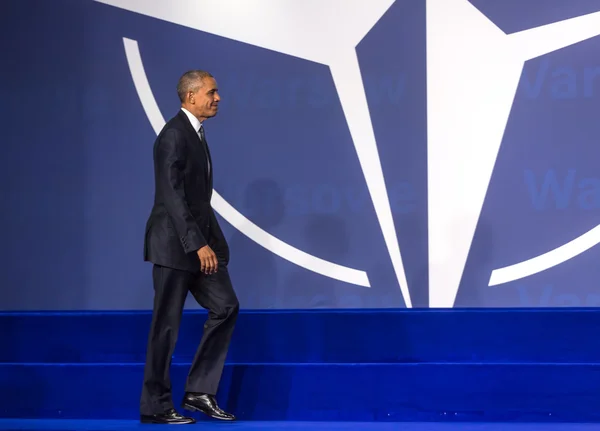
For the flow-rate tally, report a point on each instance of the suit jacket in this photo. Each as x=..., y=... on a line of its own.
x=182, y=219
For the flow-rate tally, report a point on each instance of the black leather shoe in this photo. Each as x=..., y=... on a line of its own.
x=205, y=404
x=169, y=417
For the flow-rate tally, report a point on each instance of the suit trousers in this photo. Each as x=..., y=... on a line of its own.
x=213, y=292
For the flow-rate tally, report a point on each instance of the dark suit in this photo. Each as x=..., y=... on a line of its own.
x=181, y=222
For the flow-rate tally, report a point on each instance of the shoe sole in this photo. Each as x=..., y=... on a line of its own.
x=197, y=409
x=155, y=422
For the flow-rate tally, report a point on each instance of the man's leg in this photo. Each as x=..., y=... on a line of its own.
x=170, y=291
x=215, y=293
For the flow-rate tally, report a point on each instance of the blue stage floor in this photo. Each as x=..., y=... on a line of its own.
x=108, y=425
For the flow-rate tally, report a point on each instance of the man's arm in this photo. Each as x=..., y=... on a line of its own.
x=170, y=164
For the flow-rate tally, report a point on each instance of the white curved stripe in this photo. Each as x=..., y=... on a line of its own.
x=228, y=212
x=284, y=250
x=546, y=260
x=142, y=86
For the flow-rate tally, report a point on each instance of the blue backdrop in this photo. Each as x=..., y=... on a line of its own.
x=77, y=182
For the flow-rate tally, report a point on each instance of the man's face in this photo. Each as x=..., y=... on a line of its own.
x=206, y=99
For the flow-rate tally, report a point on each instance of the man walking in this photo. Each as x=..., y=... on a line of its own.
x=188, y=249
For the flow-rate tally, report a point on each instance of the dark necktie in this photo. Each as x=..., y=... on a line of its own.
x=205, y=147
x=201, y=131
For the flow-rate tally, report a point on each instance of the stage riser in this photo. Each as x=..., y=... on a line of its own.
x=318, y=337
x=364, y=392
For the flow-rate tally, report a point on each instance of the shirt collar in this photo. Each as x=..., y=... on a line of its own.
x=196, y=124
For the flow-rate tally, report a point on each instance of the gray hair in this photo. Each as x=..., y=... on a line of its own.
x=191, y=81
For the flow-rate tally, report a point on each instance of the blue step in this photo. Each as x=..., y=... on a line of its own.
x=323, y=336
x=319, y=365
x=320, y=392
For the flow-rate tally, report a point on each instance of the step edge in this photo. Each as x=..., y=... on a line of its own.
x=373, y=311
x=308, y=364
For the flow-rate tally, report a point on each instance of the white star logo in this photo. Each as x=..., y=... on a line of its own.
x=468, y=107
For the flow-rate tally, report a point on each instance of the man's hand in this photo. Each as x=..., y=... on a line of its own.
x=208, y=260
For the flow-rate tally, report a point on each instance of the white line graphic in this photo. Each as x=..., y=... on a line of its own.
x=229, y=213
